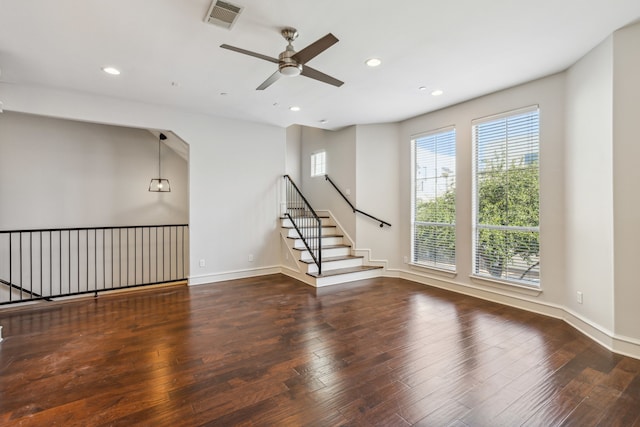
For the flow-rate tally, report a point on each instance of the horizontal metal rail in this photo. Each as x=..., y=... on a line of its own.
x=48, y=263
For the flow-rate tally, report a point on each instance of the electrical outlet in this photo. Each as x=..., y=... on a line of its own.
x=250, y=257
x=347, y=191
x=406, y=259
x=579, y=297
x=202, y=263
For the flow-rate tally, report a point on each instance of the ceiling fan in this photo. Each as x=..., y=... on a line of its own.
x=292, y=63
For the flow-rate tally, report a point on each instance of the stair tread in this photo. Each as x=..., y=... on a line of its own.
x=290, y=227
x=334, y=258
x=339, y=271
x=325, y=247
x=306, y=216
x=309, y=237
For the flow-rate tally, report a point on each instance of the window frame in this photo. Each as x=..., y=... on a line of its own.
x=444, y=267
x=476, y=226
x=314, y=163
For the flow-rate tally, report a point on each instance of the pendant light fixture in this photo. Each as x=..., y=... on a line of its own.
x=160, y=185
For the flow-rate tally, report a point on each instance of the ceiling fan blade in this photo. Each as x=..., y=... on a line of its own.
x=317, y=75
x=272, y=79
x=248, y=52
x=315, y=48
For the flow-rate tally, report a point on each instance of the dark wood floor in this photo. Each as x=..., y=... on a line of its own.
x=273, y=351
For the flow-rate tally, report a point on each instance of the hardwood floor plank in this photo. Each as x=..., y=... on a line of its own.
x=271, y=351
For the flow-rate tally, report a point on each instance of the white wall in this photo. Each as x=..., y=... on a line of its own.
x=377, y=176
x=293, y=155
x=234, y=172
x=63, y=173
x=589, y=186
x=626, y=177
x=340, y=147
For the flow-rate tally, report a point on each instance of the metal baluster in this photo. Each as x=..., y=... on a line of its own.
x=86, y=239
x=104, y=264
x=50, y=262
x=20, y=266
x=142, y=256
x=163, y=233
x=78, y=257
x=10, y=266
x=30, y=265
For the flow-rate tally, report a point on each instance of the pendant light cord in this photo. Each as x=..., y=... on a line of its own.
x=161, y=137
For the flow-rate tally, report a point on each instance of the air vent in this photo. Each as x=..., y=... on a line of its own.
x=223, y=14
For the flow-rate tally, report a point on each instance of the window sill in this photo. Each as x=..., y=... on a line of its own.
x=435, y=270
x=506, y=286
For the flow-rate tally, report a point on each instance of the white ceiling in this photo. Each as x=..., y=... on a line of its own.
x=169, y=56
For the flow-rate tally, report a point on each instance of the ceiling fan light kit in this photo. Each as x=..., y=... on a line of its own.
x=292, y=63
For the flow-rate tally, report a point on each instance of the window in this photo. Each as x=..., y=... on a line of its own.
x=506, y=189
x=434, y=199
x=318, y=163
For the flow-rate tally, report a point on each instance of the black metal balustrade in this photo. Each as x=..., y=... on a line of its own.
x=304, y=220
x=50, y=263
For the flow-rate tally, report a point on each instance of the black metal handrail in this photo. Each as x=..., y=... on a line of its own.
x=306, y=222
x=353, y=208
x=46, y=263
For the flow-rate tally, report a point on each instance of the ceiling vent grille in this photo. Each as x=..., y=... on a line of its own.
x=223, y=14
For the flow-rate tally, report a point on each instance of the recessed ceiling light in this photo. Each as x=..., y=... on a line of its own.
x=111, y=70
x=373, y=62
x=294, y=108
x=423, y=88
x=437, y=92
x=323, y=121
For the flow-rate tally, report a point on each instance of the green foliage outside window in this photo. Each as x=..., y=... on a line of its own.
x=507, y=196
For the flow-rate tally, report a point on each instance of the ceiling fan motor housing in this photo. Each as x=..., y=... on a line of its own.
x=287, y=65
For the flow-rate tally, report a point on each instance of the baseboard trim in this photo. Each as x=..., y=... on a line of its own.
x=232, y=275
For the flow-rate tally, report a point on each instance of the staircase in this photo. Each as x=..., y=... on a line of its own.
x=339, y=264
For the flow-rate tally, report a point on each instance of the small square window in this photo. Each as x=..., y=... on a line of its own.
x=318, y=163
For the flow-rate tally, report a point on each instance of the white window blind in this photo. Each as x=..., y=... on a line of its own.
x=318, y=163
x=434, y=199
x=506, y=187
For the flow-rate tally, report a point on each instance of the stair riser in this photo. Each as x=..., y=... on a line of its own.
x=292, y=232
x=329, y=241
x=350, y=277
x=305, y=256
x=286, y=222
x=328, y=266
